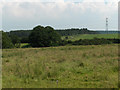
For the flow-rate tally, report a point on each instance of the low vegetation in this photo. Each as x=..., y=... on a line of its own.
x=87, y=62
x=61, y=67
x=90, y=36
x=47, y=36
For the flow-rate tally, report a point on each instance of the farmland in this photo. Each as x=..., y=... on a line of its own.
x=91, y=36
x=92, y=66
x=60, y=44
x=82, y=36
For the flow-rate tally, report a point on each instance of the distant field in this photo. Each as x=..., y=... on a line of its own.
x=23, y=44
x=90, y=36
x=61, y=67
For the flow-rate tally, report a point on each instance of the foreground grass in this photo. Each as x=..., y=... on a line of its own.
x=61, y=67
x=91, y=36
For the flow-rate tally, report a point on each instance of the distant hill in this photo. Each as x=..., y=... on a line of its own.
x=109, y=32
x=74, y=31
x=63, y=32
x=24, y=34
x=20, y=33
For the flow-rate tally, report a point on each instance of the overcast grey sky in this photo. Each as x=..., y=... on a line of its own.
x=59, y=14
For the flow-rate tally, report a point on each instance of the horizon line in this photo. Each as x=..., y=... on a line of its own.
x=63, y=29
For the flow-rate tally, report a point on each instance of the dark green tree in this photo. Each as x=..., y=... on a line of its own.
x=44, y=37
x=6, y=41
x=15, y=40
x=0, y=39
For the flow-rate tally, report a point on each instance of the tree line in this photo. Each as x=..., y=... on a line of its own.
x=45, y=37
x=24, y=34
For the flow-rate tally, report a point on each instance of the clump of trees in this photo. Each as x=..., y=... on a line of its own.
x=44, y=37
x=15, y=40
x=75, y=31
x=6, y=41
x=0, y=39
x=24, y=34
x=95, y=41
x=9, y=41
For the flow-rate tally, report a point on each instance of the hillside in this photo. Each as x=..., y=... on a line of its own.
x=108, y=32
x=66, y=32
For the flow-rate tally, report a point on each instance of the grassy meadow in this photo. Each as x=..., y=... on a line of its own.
x=61, y=67
x=91, y=36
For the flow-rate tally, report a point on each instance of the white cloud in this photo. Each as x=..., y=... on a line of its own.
x=60, y=0
x=1, y=6
x=33, y=0
x=59, y=8
x=100, y=0
x=38, y=9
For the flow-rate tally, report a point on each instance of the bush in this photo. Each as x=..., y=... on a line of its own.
x=63, y=43
x=95, y=41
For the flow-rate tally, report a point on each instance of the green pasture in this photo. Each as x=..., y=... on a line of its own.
x=92, y=66
x=91, y=36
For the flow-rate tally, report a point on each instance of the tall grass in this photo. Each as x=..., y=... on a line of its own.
x=61, y=67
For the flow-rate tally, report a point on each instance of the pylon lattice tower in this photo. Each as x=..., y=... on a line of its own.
x=107, y=25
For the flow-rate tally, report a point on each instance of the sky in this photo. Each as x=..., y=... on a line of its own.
x=60, y=14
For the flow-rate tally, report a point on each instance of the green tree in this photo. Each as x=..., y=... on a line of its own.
x=15, y=40
x=0, y=39
x=44, y=37
x=6, y=41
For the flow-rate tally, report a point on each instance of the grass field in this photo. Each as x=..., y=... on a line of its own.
x=83, y=36
x=23, y=44
x=91, y=36
x=61, y=67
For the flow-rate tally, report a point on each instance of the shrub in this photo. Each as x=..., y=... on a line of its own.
x=95, y=41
